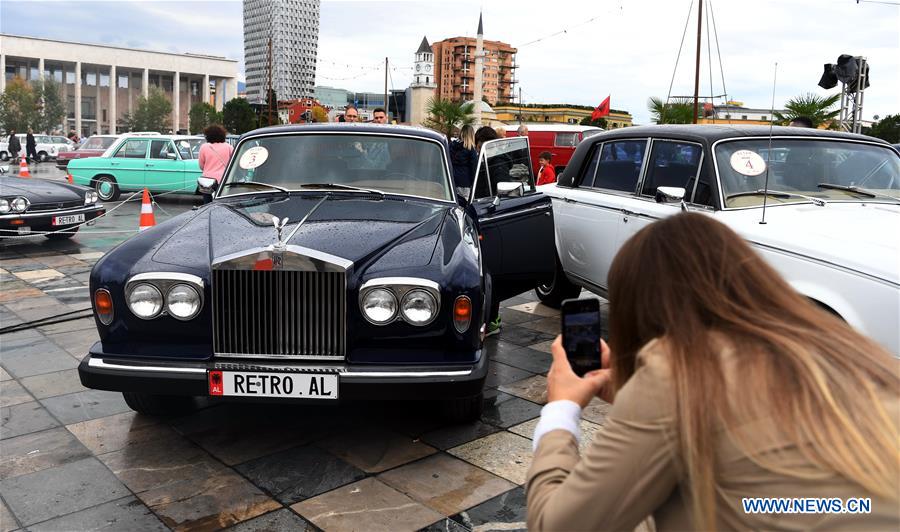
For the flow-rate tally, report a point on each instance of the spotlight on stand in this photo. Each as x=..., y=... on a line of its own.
x=847, y=70
x=829, y=79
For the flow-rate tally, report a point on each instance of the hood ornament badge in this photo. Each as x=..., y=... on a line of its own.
x=279, y=229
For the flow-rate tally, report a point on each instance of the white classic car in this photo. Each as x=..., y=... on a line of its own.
x=46, y=146
x=832, y=216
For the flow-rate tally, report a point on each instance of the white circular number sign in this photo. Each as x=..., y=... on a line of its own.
x=747, y=162
x=253, y=157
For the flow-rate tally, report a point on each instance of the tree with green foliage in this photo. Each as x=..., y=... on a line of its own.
x=676, y=111
x=201, y=116
x=153, y=113
x=52, y=108
x=888, y=128
x=600, y=122
x=819, y=109
x=19, y=106
x=238, y=117
x=447, y=116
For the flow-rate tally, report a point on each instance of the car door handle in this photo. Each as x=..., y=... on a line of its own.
x=113, y=164
x=149, y=164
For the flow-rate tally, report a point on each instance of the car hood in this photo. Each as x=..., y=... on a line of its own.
x=360, y=229
x=40, y=190
x=854, y=235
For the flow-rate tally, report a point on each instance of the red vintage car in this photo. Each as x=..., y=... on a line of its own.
x=94, y=146
x=559, y=139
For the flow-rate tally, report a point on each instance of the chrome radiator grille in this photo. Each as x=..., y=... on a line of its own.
x=279, y=314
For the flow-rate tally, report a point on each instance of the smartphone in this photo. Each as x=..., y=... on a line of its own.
x=581, y=334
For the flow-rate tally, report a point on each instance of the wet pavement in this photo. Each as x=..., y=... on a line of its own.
x=77, y=459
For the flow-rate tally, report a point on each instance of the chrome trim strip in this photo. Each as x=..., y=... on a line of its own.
x=515, y=213
x=341, y=371
x=166, y=276
x=99, y=363
x=279, y=357
x=349, y=131
x=84, y=209
x=409, y=281
x=297, y=250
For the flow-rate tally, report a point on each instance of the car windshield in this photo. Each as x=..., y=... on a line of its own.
x=98, y=143
x=393, y=165
x=800, y=169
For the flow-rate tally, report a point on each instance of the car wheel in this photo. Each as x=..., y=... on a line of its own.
x=554, y=292
x=464, y=409
x=62, y=236
x=158, y=405
x=43, y=157
x=106, y=187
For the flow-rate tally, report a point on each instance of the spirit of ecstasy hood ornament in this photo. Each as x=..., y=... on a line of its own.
x=279, y=228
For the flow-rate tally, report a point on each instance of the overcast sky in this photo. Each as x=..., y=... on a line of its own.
x=627, y=51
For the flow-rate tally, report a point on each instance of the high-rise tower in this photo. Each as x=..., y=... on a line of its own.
x=293, y=27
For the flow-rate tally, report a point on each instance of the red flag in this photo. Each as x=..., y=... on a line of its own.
x=601, y=110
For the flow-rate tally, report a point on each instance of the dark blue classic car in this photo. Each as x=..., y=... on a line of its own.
x=52, y=208
x=335, y=262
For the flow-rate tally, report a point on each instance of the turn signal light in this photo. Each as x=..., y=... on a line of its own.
x=462, y=313
x=103, y=306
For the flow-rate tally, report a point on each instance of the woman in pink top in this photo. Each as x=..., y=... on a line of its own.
x=214, y=155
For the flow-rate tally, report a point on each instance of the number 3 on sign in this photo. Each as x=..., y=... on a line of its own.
x=253, y=158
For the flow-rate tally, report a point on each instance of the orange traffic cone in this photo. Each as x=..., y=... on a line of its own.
x=23, y=168
x=147, y=219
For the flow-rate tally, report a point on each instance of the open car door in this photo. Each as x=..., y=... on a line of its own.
x=515, y=220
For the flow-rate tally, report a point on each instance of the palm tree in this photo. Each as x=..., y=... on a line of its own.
x=677, y=111
x=446, y=116
x=816, y=108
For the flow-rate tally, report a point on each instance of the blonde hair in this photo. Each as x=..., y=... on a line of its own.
x=467, y=137
x=501, y=131
x=822, y=384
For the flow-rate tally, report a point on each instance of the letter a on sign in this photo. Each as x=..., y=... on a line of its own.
x=313, y=387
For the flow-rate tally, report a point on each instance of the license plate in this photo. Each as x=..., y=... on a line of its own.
x=68, y=220
x=24, y=230
x=286, y=385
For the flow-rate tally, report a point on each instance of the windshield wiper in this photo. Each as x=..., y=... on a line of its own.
x=342, y=187
x=776, y=194
x=255, y=184
x=857, y=190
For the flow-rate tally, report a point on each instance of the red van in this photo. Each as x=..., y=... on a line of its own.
x=559, y=139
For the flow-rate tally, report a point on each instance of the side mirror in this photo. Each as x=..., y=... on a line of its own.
x=510, y=189
x=669, y=194
x=207, y=185
x=171, y=155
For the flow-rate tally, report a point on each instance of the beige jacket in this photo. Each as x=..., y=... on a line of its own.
x=631, y=470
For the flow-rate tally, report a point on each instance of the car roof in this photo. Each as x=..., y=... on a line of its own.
x=159, y=137
x=344, y=127
x=714, y=132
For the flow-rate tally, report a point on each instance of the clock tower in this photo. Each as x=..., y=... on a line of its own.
x=422, y=88
x=424, y=67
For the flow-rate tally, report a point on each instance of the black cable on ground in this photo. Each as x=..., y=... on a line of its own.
x=48, y=320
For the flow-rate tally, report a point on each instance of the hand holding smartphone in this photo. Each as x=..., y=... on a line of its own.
x=581, y=334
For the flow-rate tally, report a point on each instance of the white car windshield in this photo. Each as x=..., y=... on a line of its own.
x=392, y=165
x=800, y=169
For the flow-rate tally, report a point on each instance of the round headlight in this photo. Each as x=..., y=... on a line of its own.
x=145, y=301
x=379, y=306
x=19, y=204
x=4, y=206
x=90, y=197
x=183, y=302
x=418, y=307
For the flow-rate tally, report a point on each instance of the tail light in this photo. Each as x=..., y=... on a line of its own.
x=462, y=313
x=103, y=306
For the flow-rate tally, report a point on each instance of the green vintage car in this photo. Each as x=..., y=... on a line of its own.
x=161, y=163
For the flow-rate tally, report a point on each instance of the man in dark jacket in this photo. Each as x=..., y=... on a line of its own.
x=30, y=148
x=14, y=146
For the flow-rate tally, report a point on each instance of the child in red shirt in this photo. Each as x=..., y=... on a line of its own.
x=546, y=174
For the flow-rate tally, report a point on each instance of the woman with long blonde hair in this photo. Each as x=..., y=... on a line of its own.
x=728, y=387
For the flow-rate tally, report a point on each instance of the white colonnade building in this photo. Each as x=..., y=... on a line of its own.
x=107, y=81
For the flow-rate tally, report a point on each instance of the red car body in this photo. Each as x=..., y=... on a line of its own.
x=559, y=139
x=94, y=146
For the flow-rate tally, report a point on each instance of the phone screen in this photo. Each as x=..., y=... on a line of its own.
x=581, y=334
